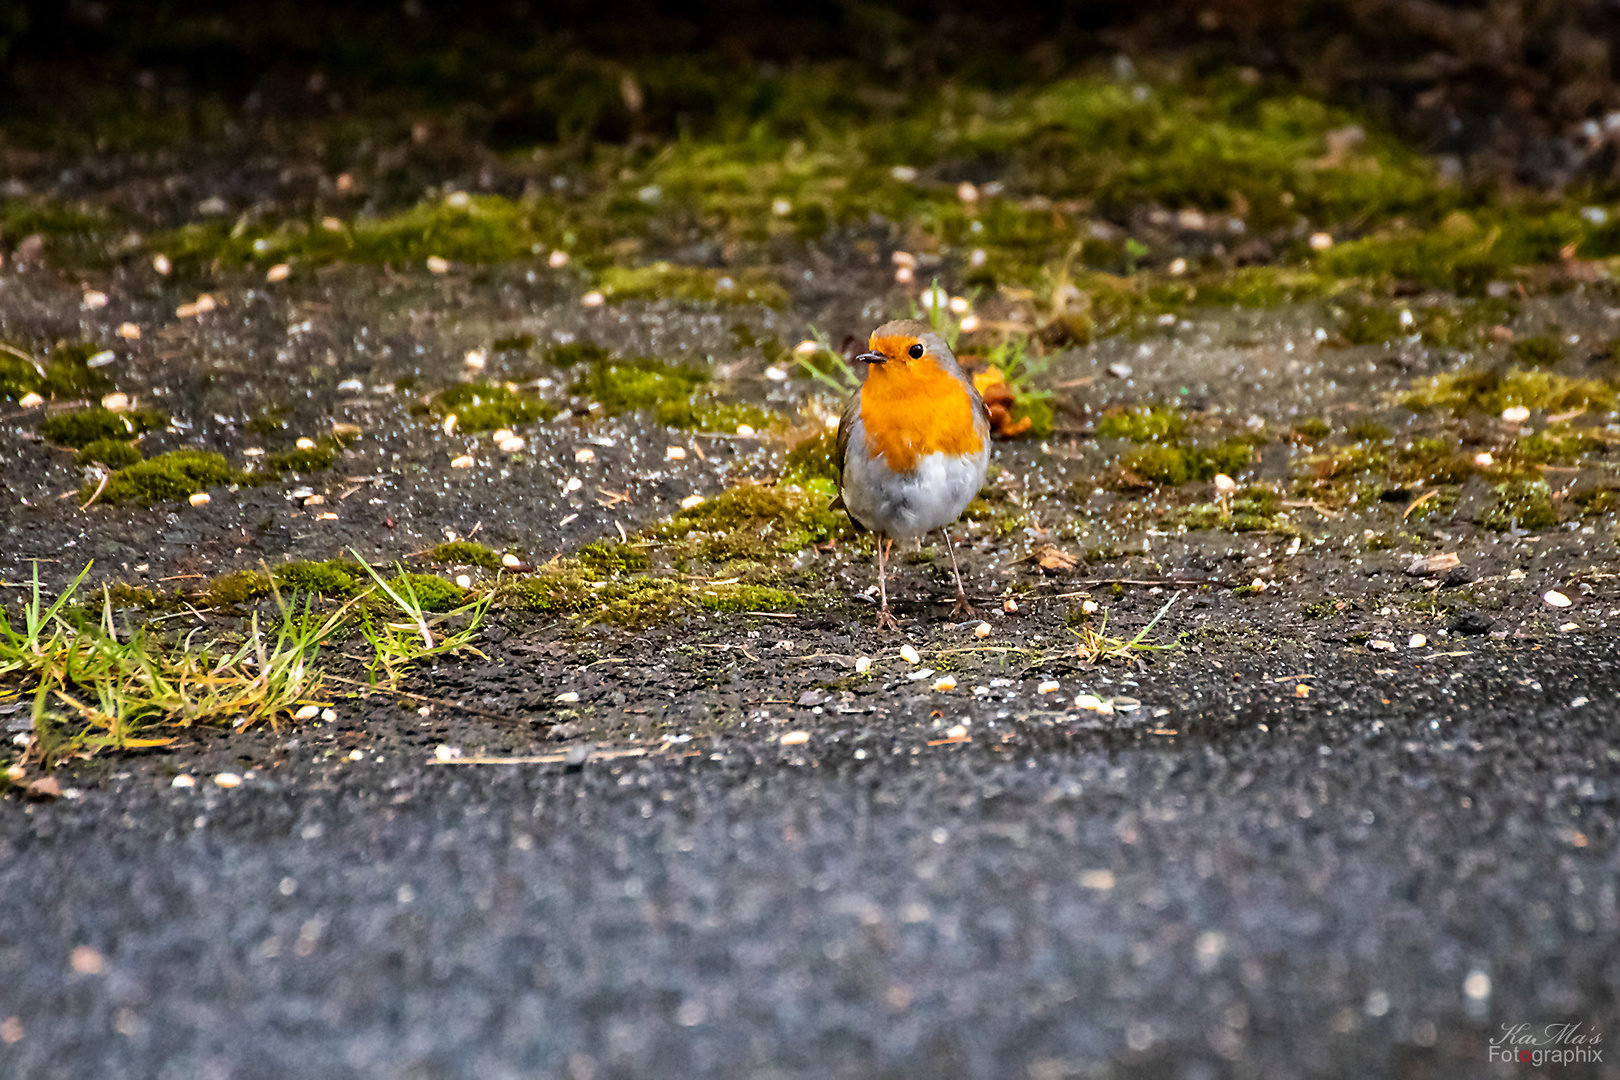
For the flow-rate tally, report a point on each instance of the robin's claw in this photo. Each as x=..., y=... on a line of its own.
x=963, y=608
x=887, y=621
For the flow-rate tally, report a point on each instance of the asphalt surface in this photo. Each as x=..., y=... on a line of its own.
x=1352, y=889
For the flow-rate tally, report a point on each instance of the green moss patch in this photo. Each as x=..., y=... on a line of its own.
x=1525, y=505
x=606, y=558
x=1489, y=392
x=667, y=281
x=334, y=578
x=737, y=598
x=113, y=453
x=754, y=522
x=1171, y=465
x=305, y=459
x=167, y=478
x=63, y=372
x=466, y=553
x=237, y=588
x=1538, y=350
x=640, y=383
x=1143, y=424
x=1252, y=509
x=81, y=427
x=490, y=407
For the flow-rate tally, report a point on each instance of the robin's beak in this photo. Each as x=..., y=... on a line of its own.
x=871, y=358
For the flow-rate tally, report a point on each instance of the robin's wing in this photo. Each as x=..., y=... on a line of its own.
x=981, y=411
x=846, y=428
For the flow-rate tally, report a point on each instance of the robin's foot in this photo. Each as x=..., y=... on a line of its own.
x=962, y=607
x=887, y=621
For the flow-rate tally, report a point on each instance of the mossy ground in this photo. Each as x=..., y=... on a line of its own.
x=482, y=407
x=60, y=371
x=170, y=477
x=81, y=427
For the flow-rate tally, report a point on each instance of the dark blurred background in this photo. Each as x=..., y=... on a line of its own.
x=1506, y=85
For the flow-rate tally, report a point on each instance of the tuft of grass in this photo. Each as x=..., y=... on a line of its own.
x=426, y=604
x=301, y=460
x=1095, y=645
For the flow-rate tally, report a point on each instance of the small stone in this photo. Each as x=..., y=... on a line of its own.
x=1556, y=599
x=909, y=654
x=115, y=402
x=1380, y=645
x=794, y=738
x=1567, y=627
x=228, y=780
x=86, y=961
x=1515, y=414
x=308, y=712
x=162, y=265
x=511, y=561
x=278, y=272
x=464, y=580
x=1120, y=371
x=1484, y=460
x=446, y=753
x=863, y=664
x=438, y=265
x=970, y=324
x=557, y=259
x=1089, y=607
x=1050, y=686
x=128, y=331
x=94, y=299
x=476, y=359
x=593, y=299
x=955, y=731
x=465, y=461
x=1010, y=606
x=1416, y=641
x=183, y=781
x=200, y=498
x=744, y=431
x=675, y=453
x=691, y=501
x=967, y=192
x=567, y=697
x=574, y=484
x=1321, y=241
x=584, y=454
x=31, y=400
x=305, y=443
x=982, y=630
x=328, y=715
x=513, y=445
x=903, y=275
x=1471, y=622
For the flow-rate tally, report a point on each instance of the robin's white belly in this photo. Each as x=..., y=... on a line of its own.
x=905, y=506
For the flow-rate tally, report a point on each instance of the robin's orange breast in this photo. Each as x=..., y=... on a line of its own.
x=909, y=411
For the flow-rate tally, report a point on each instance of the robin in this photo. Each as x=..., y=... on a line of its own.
x=913, y=445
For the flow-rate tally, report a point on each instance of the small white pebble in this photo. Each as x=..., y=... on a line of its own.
x=795, y=738
x=558, y=259
x=1380, y=645
x=1089, y=607
x=675, y=453
x=1555, y=598
x=94, y=299
x=1567, y=627
x=903, y=274
x=278, y=272
x=744, y=431
x=315, y=500
x=129, y=331
x=691, y=501
x=1050, y=686
x=476, y=359
x=357, y=755
x=1177, y=267
x=909, y=654
x=567, y=697
x=1515, y=414
x=503, y=434
x=438, y=265
x=115, y=402
x=982, y=630
x=308, y=712
x=1321, y=241
x=863, y=664
x=593, y=299
x=228, y=780
x=200, y=498
x=183, y=781
x=329, y=715
x=511, y=561
x=955, y=731
x=464, y=580
x=584, y=454
x=945, y=682
x=161, y=264
x=776, y=374
x=1090, y=702
x=1484, y=460
x=1010, y=606
x=514, y=445
x=1416, y=641
x=574, y=484
x=967, y=192
x=465, y=461
x=446, y=753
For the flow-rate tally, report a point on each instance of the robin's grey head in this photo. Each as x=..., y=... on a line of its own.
x=908, y=341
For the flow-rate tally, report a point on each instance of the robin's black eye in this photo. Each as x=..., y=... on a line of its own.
x=916, y=351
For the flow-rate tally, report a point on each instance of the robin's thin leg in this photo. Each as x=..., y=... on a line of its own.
x=962, y=606
x=886, y=621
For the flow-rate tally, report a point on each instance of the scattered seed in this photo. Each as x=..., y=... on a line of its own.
x=781, y=207
x=795, y=738
x=1010, y=606
x=1484, y=459
x=1567, y=627
x=744, y=431
x=982, y=630
x=162, y=265
x=691, y=501
x=1321, y=241
x=568, y=697
x=1050, y=686
x=278, y=272
x=1177, y=267
x=675, y=453
x=593, y=299
x=1089, y=702
x=909, y=654
x=183, y=781
x=449, y=425
x=350, y=386
x=584, y=454
x=1416, y=641
x=446, y=753
x=328, y=715
x=465, y=461
x=307, y=712
x=955, y=731
x=94, y=299
x=201, y=498
x=574, y=484
x=1302, y=690
x=346, y=431
x=1100, y=880
x=558, y=259
x=969, y=324
x=31, y=401
x=805, y=348
x=1380, y=645
x=919, y=675
x=511, y=561
x=86, y=961
x=514, y=445
x=945, y=682
x=1432, y=565
x=305, y=443
x=464, y=580
x=903, y=274
x=228, y=780
x=476, y=359
x=438, y=265
x=967, y=192
x=115, y=402
x=776, y=374
x=327, y=516
x=1515, y=414
x=1556, y=599
x=863, y=664
x=1089, y=607
x=129, y=331
x=959, y=305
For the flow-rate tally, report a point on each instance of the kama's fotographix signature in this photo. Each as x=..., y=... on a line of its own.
x=1547, y=1044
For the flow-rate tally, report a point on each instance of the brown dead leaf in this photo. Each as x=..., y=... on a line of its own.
x=46, y=787
x=1055, y=560
x=999, y=401
x=1432, y=565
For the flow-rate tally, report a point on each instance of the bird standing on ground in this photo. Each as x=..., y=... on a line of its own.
x=913, y=445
